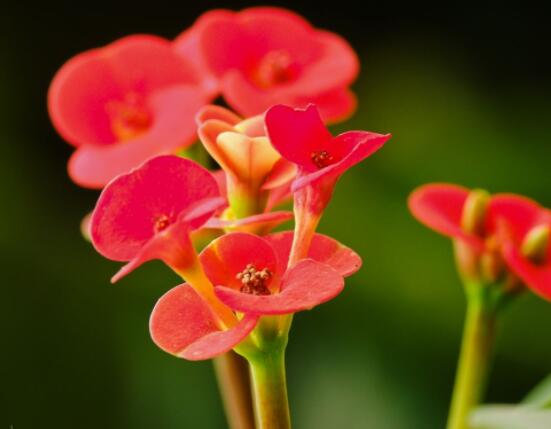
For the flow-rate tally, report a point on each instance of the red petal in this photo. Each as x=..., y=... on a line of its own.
x=536, y=277
x=334, y=106
x=440, y=207
x=174, y=110
x=129, y=207
x=217, y=343
x=296, y=134
x=182, y=324
x=352, y=148
x=228, y=256
x=322, y=249
x=282, y=173
x=520, y=213
x=307, y=284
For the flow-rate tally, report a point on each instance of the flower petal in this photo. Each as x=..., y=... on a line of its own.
x=174, y=109
x=259, y=224
x=297, y=133
x=183, y=324
x=228, y=256
x=129, y=208
x=323, y=249
x=440, y=207
x=219, y=342
x=307, y=284
x=219, y=113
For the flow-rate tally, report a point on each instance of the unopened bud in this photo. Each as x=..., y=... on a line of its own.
x=474, y=212
x=536, y=243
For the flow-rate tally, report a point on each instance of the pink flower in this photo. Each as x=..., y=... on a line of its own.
x=186, y=325
x=250, y=273
x=150, y=212
x=263, y=56
x=301, y=137
x=124, y=103
x=500, y=229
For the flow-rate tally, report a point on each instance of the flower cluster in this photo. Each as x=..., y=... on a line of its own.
x=499, y=239
x=137, y=97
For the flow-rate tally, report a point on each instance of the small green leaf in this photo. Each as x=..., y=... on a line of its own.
x=510, y=417
x=540, y=396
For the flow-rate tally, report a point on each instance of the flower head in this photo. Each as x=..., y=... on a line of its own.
x=250, y=273
x=124, y=103
x=149, y=213
x=255, y=172
x=496, y=235
x=263, y=56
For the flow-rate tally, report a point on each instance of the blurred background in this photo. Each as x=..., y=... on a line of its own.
x=466, y=93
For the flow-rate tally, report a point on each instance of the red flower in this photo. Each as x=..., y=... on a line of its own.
x=122, y=104
x=512, y=228
x=301, y=137
x=257, y=178
x=250, y=273
x=186, y=325
x=264, y=56
x=148, y=213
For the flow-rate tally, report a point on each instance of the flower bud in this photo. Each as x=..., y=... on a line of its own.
x=474, y=212
x=536, y=243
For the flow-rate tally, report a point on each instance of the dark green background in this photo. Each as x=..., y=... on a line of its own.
x=466, y=93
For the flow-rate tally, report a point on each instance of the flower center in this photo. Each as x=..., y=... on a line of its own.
x=322, y=158
x=129, y=117
x=275, y=68
x=254, y=282
x=161, y=223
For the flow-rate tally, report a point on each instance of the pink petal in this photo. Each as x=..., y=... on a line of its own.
x=216, y=112
x=282, y=173
x=174, y=110
x=139, y=64
x=217, y=343
x=334, y=106
x=296, y=134
x=352, y=148
x=228, y=256
x=520, y=213
x=129, y=208
x=440, y=207
x=182, y=324
x=323, y=249
x=260, y=224
x=307, y=284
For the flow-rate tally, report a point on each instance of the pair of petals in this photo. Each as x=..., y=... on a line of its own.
x=149, y=212
x=509, y=218
x=182, y=324
x=321, y=64
x=142, y=68
x=300, y=134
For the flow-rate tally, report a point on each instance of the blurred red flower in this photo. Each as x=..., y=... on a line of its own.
x=263, y=56
x=511, y=227
x=124, y=103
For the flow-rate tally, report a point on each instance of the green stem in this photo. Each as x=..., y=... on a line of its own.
x=474, y=361
x=270, y=390
x=232, y=373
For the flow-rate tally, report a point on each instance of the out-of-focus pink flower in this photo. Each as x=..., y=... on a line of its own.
x=124, y=103
x=505, y=229
x=150, y=212
x=263, y=56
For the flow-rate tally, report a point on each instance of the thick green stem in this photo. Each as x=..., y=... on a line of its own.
x=232, y=373
x=270, y=390
x=474, y=361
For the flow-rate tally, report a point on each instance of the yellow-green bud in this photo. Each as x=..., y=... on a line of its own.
x=535, y=244
x=474, y=212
